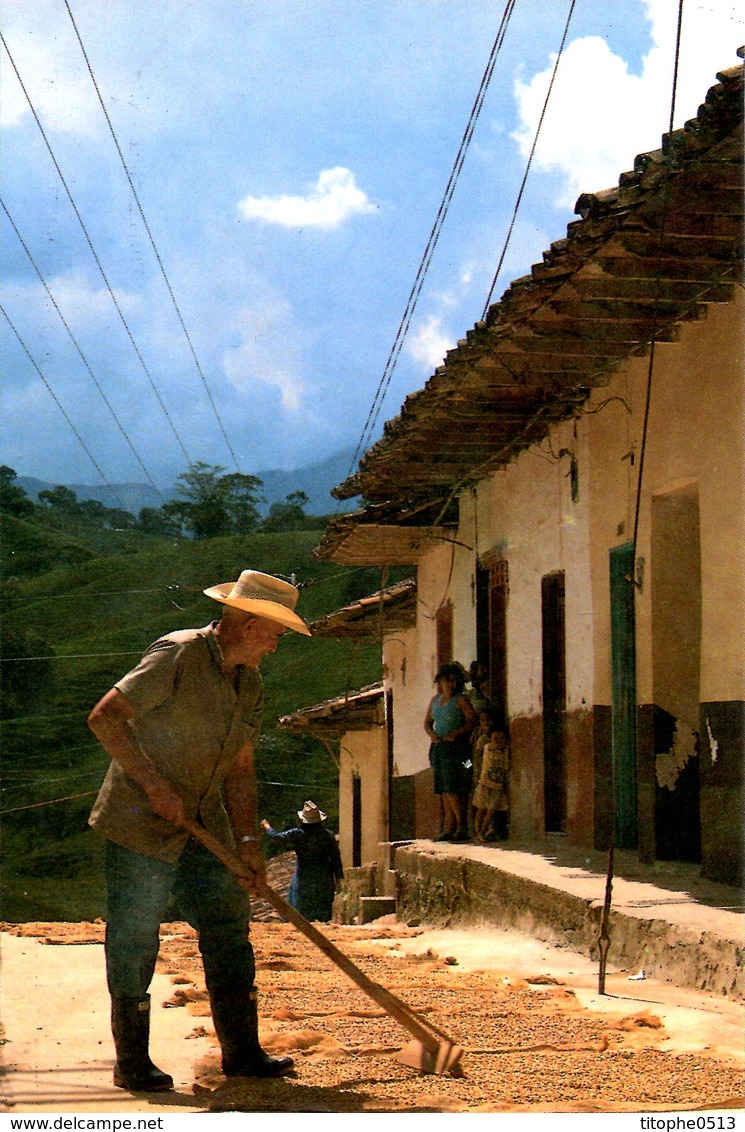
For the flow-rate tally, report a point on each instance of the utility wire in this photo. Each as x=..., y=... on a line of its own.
x=530, y=161
x=89, y=793
x=656, y=310
x=99, y=265
x=68, y=656
x=51, y=802
x=87, y=450
x=178, y=590
x=77, y=347
x=434, y=236
x=10, y=784
x=150, y=237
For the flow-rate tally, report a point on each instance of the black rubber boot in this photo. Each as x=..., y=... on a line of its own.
x=130, y=1025
x=236, y=1019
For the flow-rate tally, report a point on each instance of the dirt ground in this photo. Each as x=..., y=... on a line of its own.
x=536, y=1035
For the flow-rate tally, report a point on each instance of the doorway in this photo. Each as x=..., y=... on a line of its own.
x=356, y=821
x=554, y=702
x=623, y=679
x=676, y=649
x=491, y=633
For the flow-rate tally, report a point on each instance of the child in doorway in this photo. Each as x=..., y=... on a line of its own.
x=491, y=796
x=479, y=738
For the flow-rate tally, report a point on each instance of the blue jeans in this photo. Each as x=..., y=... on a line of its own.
x=207, y=896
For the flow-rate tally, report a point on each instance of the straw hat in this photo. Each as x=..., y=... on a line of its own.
x=310, y=814
x=264, y=596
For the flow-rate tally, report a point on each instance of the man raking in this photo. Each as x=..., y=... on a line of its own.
x=180, y=729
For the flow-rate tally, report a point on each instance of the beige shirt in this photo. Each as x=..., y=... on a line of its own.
x=192, y=722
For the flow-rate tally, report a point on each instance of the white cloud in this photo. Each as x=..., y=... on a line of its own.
x=430, y=343
x=84, y=305
x=334, y=198
x=600, y=116
x=61, y=94
x=88, y=310
x=266, y=353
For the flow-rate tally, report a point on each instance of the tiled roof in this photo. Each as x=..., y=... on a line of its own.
x=643, y=257
x=389, y=609
x=354, y=711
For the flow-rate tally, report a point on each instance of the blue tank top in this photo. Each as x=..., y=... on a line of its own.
x=446, y=717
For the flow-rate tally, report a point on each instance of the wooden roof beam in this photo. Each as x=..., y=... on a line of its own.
x=611, y=288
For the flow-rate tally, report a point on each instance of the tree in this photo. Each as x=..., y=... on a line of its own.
x=153, y=521
x=12, y=497
x=119, y=519
x=64, y=504
x=287, y=516
x=61, y=498
x=92, y=511
x=243, y=493
x=215, y=504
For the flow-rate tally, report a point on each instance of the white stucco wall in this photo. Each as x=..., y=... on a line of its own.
x=407, y=675
x=696, y=434
x=364, y=753
x=528, y=512
x=696, y=439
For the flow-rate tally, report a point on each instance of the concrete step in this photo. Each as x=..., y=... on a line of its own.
x=373, y=907
x=665, y=922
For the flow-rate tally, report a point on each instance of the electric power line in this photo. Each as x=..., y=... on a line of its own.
x=94, y=253
x=150, y=237
x=51, y=802
x=90, y=793
x=68, y=656
x=530, y=159
x=434, y=236
x=656, y=310
x=88, y=452
x=79, y=350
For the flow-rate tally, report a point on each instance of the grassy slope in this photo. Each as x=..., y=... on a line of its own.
x=98, y=615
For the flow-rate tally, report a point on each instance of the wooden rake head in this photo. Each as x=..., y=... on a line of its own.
x=439, y=1057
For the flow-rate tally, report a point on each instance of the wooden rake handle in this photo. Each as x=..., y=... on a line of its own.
x=384, y=998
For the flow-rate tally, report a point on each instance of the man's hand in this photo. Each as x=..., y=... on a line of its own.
x=165, y=802
x=251, y=857
x=110, y=723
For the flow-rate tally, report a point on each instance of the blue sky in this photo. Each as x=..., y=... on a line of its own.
x=290, y=157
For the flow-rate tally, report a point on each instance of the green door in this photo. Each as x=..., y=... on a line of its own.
x=623, y=674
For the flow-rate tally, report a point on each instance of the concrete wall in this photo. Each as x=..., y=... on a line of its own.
x=462, y=891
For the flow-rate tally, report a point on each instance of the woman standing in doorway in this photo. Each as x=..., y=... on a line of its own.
x=449, y=721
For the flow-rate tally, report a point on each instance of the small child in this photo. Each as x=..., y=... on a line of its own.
x=479, y=737
x=491, y=796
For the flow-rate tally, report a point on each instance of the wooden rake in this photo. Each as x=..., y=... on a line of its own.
x=431, y=1051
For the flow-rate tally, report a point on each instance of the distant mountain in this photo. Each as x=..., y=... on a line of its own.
x=132, y=496
x=316, y=480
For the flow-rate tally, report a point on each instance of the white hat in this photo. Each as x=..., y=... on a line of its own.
x=264, y=596
x=310, y=814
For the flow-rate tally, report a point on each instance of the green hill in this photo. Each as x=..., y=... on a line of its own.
x=28, y=548
x=76, y=617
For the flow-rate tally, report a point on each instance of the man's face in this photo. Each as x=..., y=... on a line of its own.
x=260, y=637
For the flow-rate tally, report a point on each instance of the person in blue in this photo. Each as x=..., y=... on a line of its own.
x=449, y=721
x=318, y=865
